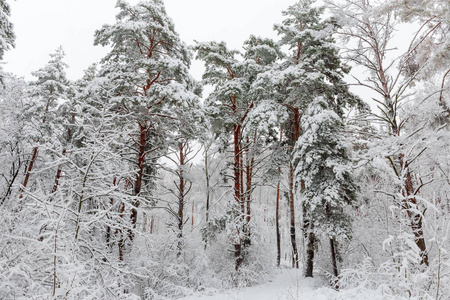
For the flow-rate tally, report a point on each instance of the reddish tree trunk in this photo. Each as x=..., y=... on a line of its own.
x=237, y=194
x=58, y=172
x=27, y=175
x=237, y=188
x=58, y=176
x=152, y=224
x=33, y=157
x=139, y=176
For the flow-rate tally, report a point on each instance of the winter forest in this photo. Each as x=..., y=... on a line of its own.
x=137, y=181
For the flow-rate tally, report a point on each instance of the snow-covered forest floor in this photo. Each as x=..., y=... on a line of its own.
x=290, y=284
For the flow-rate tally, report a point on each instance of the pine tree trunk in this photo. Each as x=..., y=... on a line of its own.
x=292, y=216
x=207, y=192
x=121, y=243
x=410, y=205
x=248, y=198
x=108, y=229
x=139, y=177
x=277, y=222
x=152, y=224
x=58, y=172
x=333, y=257
x=181, y=194
x=29, y=169
x=277, y=211
x=238, y=196
x=310, y=249
x=33, y=156
x=294, y=136
x=57, y=177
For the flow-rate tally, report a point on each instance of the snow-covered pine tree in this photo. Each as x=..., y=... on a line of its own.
x=182, y=151
x=230, y=107
x=323, y=165
x=312, y=68
x=50, y=87
x=7, y=35
x=147, y=68
x=259, y=128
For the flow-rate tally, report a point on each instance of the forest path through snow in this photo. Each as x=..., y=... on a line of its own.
x=290, y=284
x=287, y=284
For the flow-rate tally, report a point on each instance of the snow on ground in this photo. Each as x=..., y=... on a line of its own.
x=289, y=284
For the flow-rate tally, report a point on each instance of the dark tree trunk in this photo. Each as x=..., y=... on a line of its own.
x=292, y=216
x=207, y=191
x=277, y=210
x=410, y=205
x=108, y=229
x=333, y=258
x=308, y=231
x=277, y=222
x=248, y=198
x=181, y=194
x=139, y=177
x=121, y=243
x=293, y=137
x=310, y=249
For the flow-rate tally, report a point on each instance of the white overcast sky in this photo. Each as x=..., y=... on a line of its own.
x=42, y=25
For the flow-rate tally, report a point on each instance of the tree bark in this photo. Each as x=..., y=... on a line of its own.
x=121, y=243
x=29, y=169
x=181, y=193
x=237, y=195
x=310, y=249
x=139, y=176
x=33, y=156
x=248, y=196
x=277, y=222
x=277, y=210
x=108, y=229
x=58, y=172
x=292, y=216
x=333, y=258
x=207, y=191
x=58, y=176
x=295, y=134
x=411, y=207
